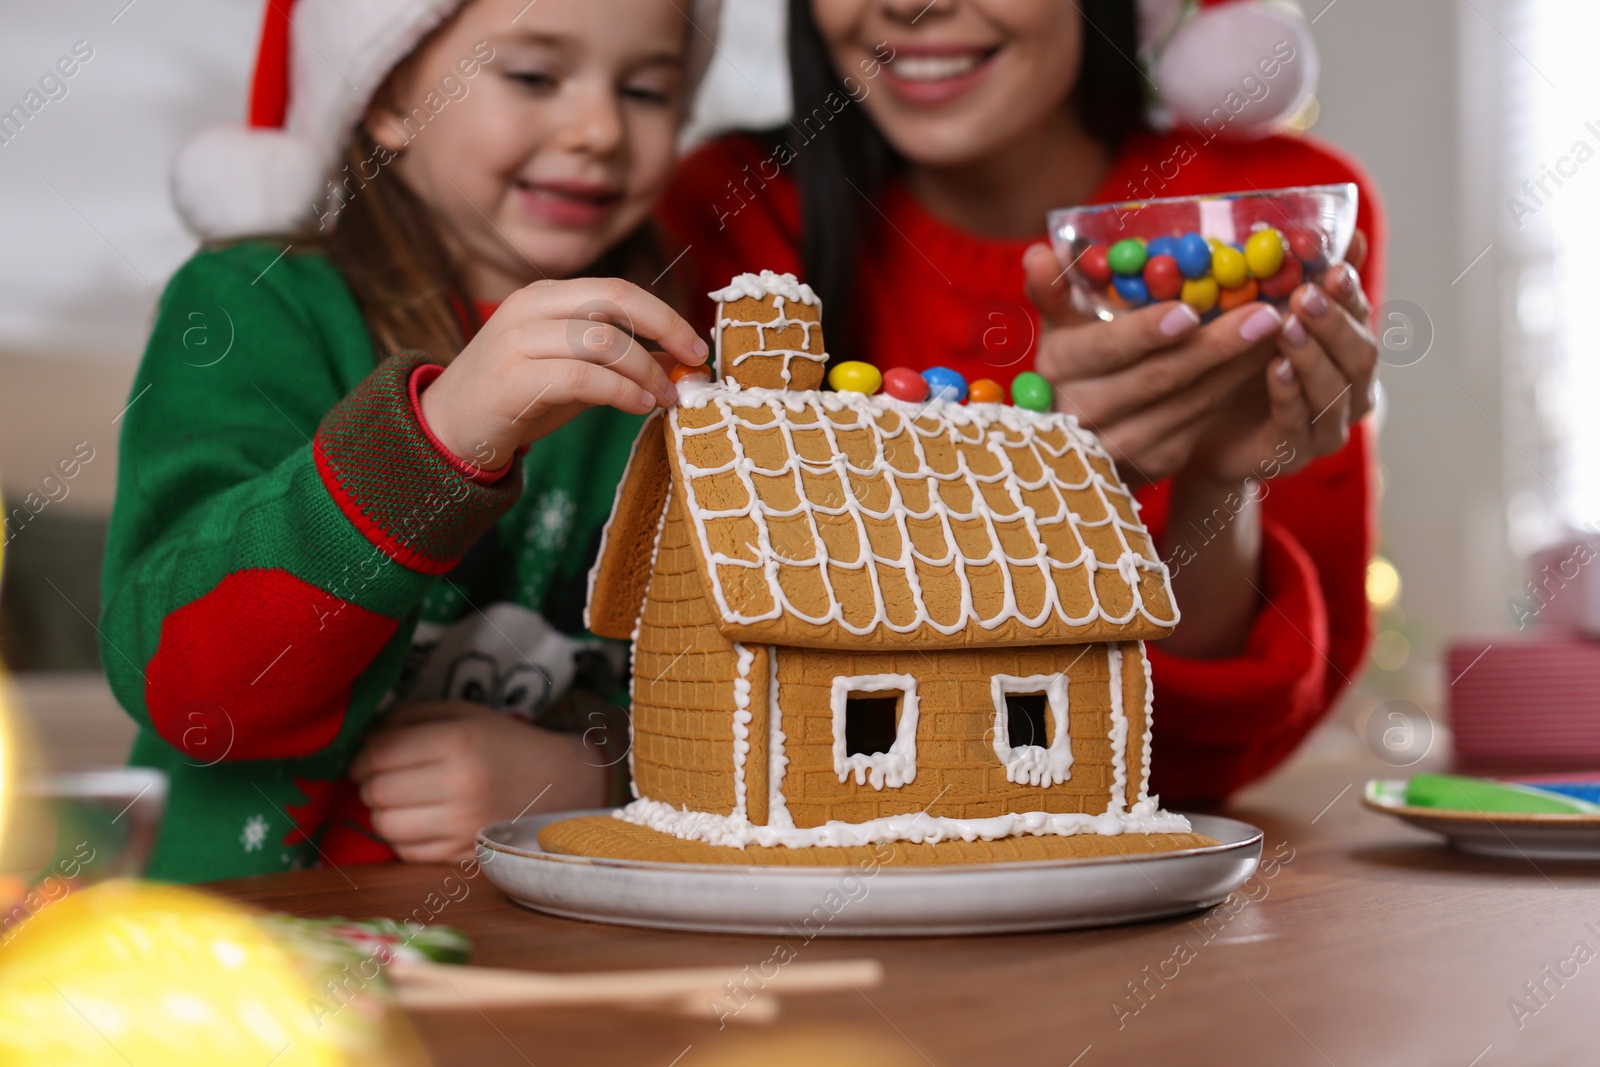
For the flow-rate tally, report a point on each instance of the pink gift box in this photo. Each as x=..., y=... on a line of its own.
x=1526, y=699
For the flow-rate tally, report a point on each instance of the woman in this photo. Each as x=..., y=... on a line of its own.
x=930, y=140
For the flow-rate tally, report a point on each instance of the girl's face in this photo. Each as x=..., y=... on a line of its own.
x=966, y=77
x=540, y=134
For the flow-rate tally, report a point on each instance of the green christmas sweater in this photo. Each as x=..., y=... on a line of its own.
x=291, y=554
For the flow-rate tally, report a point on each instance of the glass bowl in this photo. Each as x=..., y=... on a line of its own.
x=71, y=829
x=1214, y=252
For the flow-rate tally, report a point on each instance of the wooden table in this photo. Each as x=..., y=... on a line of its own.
x=1370, y=944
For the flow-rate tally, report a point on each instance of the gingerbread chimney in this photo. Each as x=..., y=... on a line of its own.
x=769, y=332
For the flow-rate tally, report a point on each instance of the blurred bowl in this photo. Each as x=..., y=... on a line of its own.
x=1213, y=252
x=71, y=829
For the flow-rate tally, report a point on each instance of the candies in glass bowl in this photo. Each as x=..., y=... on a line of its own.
x=1214, y=253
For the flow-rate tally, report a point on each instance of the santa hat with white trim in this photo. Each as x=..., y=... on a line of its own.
x=319, y=63
x=1204, y=55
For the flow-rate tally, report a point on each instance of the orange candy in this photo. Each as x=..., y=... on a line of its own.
x=985, y=391
x=1232, y=298
x=683, y=372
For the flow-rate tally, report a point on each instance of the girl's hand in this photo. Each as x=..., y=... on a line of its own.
x=551, y=350
x=435, y=773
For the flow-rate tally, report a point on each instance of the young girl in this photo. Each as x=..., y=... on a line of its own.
x=365, y=463
x=929, y=141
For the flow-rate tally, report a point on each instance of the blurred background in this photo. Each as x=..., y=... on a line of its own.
x=1468, y=113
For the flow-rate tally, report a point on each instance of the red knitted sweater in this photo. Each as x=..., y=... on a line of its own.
x=928, y=295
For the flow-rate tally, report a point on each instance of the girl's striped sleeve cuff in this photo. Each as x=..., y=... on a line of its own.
x=405, y=494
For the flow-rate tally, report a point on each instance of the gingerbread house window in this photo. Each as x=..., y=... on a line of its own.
x=875, y=729
x=1030, y=728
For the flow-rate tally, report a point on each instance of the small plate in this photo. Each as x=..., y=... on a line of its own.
x=1518, y=835
x=989, y=898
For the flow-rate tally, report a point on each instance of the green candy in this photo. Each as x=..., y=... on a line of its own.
x=1455, y=793
x=1032, y=391
x=1127, y=256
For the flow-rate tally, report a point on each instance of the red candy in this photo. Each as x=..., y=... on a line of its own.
x=684, y=371
x=1163, y=278
x=905, y=384
x=1281, y=284
x=1307, y=248
x=1093, y=266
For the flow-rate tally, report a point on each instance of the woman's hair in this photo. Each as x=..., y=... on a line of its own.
x=847, y=163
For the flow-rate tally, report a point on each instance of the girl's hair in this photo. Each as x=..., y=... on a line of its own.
x=849, y=160
x=385, y=242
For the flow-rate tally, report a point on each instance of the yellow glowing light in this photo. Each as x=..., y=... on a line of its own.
x=7, y=746
x=128, y=972
x=1383, y=583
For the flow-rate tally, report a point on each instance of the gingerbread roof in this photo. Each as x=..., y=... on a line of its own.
x=839, y=520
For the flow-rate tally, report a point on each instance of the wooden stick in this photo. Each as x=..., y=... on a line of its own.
x=442, y=987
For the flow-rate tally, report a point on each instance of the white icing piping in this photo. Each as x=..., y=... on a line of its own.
x=955, y=423
x=777, y=761
x=1149, y=720
x=918, y=827
x=781, y=323
x=633, y=638
x=1033, y=764
x=1119, y=734
x=896, y=767
x=760, y=286
x=741, y=725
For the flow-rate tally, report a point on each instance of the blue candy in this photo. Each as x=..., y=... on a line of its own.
x=1132, y=289
x=1163, y=246
x=1193, y=255
x=945, y=384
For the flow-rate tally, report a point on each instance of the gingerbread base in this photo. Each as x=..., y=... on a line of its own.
x=604, y=837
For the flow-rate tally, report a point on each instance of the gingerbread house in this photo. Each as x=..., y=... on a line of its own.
x=858, y=619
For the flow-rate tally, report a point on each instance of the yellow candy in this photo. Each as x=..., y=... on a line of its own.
x=854, y=377
x=1263, y=252
x=1228, y=267
x=1200, y=294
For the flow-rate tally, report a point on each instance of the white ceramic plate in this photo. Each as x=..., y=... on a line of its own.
x=1517, y=835
x=847, y=902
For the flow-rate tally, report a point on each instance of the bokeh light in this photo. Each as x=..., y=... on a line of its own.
x=1383, y=583
x=130, y=972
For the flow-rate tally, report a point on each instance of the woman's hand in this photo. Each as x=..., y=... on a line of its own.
x=1246, y=398
x=1148, y=382
x=1168, y=397
x=551, y=350
x=435, y=773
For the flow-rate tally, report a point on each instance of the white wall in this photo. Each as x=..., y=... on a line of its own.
x=1408, y=89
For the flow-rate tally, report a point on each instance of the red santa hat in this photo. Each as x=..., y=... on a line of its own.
x=1206, y=55
x=319, y=63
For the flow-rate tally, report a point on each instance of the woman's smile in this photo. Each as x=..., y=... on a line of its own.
x=927, y=74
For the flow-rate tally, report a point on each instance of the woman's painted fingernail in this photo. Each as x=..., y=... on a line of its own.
x=1285, y=370
x=1294, y=330
x=1315, y=303
x=1346, y=279
x=1179, y=320
x=1264, y=321
x=701, y=349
